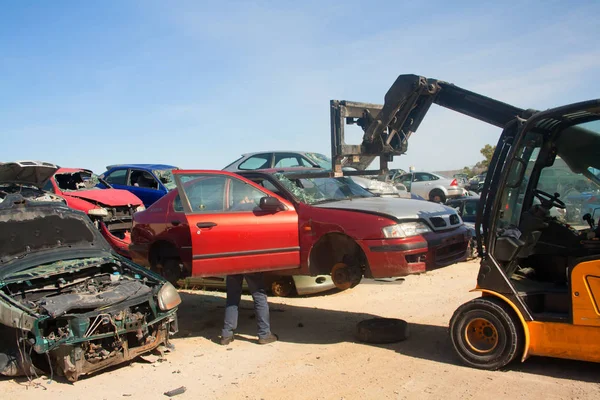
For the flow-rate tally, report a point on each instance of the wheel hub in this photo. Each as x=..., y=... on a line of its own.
x=481, y=335
x=345, y=276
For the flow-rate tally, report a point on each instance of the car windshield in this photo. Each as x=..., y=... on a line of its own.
x=78, y=180
x=320, y=159
x=320, y=190
x=166, y=178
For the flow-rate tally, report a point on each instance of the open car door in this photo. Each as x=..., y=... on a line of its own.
x=236, y=226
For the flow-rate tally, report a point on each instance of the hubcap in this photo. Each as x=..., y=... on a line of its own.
x=481, y=335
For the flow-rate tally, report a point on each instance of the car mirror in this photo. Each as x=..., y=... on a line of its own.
x=269, y=203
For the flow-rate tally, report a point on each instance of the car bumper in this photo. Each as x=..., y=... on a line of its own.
x=395, y=257
x=400, y=257
x=456, y=191
x=446, y=248
x=121, y=246
x=306, y=285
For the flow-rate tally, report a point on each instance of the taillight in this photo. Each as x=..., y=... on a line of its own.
x=454, y=183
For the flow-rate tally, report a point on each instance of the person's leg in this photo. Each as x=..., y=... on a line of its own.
x=256, y=284
x=234, y=294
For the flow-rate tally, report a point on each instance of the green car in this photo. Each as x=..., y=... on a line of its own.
x=68, y=303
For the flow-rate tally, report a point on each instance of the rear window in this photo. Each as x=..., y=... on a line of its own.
x=259, y=161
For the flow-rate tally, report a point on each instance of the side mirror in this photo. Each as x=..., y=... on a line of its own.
x=268, y=203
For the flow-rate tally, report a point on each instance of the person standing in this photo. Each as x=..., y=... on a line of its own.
x=261, y=307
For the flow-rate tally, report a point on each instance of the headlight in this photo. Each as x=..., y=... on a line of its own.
x=168, y=298
x=98, y=212
x=405, y=229
x=140, y=208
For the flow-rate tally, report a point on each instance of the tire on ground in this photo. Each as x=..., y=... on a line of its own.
x=486, y=333
x=437, y=193
x=382, y=330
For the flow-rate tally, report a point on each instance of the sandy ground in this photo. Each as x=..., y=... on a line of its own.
x=317, y=356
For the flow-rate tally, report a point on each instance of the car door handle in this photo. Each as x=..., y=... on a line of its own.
x=206, y=224
x=175, y=222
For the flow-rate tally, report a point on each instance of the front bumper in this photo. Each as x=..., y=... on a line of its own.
x=446, y=248
x=121, y=245
x=400, y=257
x=395, y=257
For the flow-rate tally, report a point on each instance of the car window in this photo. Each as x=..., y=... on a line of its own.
x=269, y=186
x=206, y=193
x=48, y=187
x=259, y=161
x=142, y=179
x=118, y=177
x=242, y=196
x=423, y=177
x=286, y=160
x=404, y=178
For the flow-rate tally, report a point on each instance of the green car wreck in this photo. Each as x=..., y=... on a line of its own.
x=68, y=303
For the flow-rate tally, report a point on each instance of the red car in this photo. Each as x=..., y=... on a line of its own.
x=110, y=209
x=295, y=222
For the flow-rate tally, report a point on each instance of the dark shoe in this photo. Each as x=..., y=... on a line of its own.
x=226, y=340
x=268, y=339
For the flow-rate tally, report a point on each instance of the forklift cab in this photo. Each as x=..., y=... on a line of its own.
x=540, y=275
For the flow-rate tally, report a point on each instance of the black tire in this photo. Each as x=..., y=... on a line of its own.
x=283, y=287
x=382, y=330
x=437, y=195
x=486, y=333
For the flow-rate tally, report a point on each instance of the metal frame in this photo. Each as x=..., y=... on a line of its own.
x=388, y=127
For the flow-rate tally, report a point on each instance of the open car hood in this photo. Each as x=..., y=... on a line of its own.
x=35, y=173
x=31, y=230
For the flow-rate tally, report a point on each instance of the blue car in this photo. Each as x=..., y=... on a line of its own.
x=149, y=182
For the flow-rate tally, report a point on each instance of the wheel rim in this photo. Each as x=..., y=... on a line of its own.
x=481, y=336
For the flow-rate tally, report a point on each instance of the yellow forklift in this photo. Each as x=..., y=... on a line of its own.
x=537, y=237
x=540, y=274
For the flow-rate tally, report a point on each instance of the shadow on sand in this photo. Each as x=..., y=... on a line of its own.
x=201, y=315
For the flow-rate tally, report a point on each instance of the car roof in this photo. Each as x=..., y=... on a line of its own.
x=142, y=166
x=279, y=151
x=283, y=170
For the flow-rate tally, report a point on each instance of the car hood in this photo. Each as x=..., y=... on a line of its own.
x=34, y=173
x=107, y=197
x=401, y=209
x=31, y=230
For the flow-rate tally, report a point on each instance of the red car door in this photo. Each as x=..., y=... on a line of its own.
x=231, y=233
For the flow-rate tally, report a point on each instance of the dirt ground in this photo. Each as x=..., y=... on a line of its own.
x=317, y=356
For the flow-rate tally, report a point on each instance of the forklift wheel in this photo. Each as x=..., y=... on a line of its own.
x=486, y=333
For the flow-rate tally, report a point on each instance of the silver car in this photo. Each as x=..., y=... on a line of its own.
x=278, y=159
x=431, y=186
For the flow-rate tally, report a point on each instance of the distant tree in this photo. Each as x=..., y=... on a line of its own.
x=487, y=152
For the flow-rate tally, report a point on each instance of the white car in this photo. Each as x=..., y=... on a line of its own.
x=431, y=186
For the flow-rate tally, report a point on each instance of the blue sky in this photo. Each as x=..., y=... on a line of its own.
x=195, y=84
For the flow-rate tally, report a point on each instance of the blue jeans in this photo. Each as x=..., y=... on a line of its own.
x=256, y=285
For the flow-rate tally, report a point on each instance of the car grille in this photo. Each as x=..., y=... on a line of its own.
x=121, y=213
x=444, y=222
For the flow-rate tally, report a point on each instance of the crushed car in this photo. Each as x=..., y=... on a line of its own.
x=292, y=222
x=27, y=178
x=109, y=209
x=68, y=303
